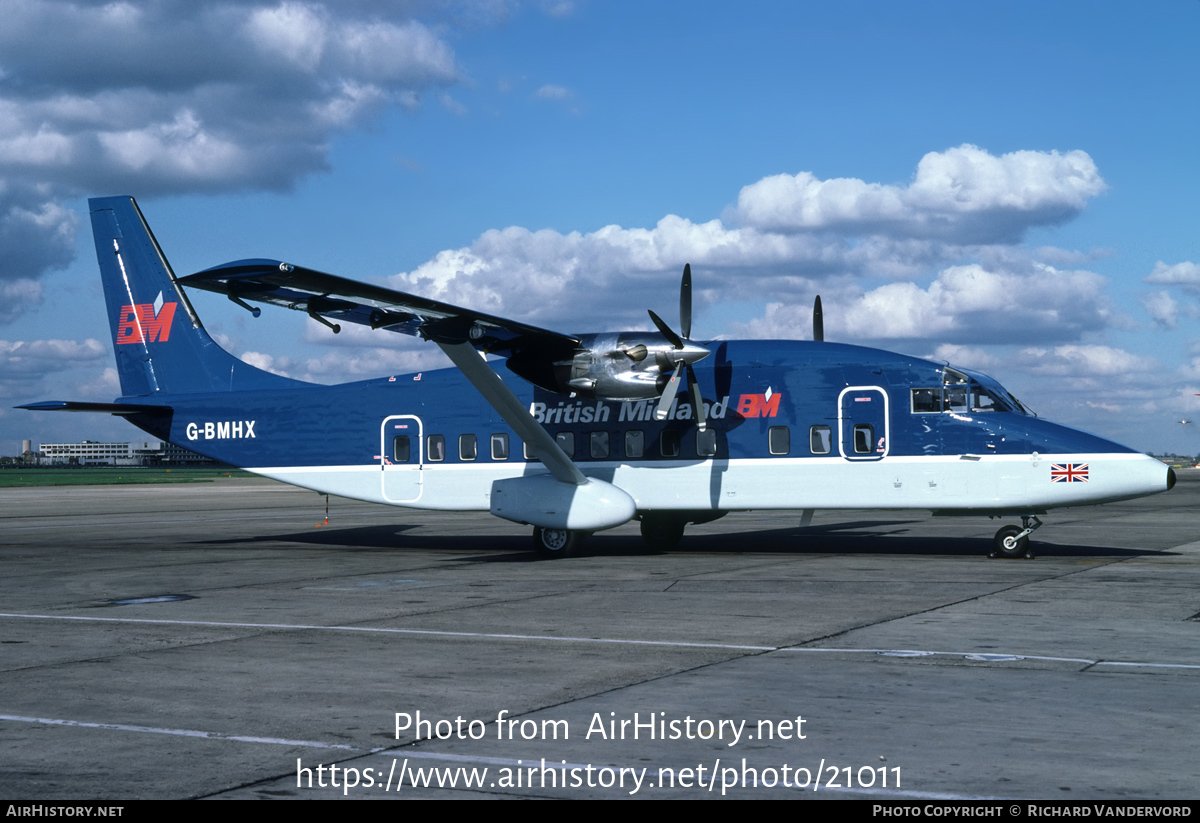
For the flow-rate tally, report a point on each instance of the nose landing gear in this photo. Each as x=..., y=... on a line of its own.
x=1013, y=541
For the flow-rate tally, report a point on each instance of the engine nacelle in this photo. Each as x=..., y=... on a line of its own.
x=541, y=500
x=623, y=366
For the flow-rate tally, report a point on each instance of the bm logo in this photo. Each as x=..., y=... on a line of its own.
x=759, y=405
x=146, y=322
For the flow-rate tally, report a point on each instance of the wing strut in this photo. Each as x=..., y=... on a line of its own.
x=502, y=399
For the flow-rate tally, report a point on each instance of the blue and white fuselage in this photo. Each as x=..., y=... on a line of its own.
x=782, y=424
x=797, y=453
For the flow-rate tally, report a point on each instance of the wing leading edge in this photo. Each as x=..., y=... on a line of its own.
x=327, y=298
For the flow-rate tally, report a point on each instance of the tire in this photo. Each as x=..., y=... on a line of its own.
x=662, y=532
x=1006, y=544
x=555, y=543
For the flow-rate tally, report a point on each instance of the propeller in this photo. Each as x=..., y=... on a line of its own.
x=686, y=354
x=818, y=321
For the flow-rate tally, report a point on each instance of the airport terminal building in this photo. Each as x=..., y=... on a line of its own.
x=92, y=453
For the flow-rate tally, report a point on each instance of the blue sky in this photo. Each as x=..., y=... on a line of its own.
x=1008, y=186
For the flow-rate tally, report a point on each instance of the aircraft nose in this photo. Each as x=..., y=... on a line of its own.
x=1170, y=479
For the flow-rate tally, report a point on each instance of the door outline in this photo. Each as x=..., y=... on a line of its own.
x=842, y=419
x=388, y=471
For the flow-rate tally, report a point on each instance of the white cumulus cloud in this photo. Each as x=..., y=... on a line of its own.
x=963, y=194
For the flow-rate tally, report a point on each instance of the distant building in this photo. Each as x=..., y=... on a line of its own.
x=91, y=453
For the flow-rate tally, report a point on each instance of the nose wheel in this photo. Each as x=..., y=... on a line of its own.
x=1013, y=541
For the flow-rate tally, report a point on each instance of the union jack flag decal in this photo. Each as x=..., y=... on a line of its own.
x=1068, y=472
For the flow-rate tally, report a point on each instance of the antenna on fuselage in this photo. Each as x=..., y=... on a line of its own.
x=818, y=321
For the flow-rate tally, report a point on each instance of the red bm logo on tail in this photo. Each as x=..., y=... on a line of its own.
x=142, y=324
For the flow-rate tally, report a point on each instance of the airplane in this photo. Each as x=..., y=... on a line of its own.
x=584, y=432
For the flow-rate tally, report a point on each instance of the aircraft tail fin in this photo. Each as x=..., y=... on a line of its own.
x=160, y=343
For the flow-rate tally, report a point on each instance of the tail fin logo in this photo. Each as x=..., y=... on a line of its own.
x=146, y=322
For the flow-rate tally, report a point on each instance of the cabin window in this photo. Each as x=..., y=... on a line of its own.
x=668, y=443
x=528, y=452
x=435, y=446
x=635, y=443
x=499, y=446
x=820, y=440
x=598, y=445
x=468, y=447
x=779, y=439
x=864, y=436
x=706, y=442
x=401, y=448
x=566, y=442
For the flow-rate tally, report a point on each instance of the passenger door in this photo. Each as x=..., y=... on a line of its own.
x=401, y=458
x=864, y=423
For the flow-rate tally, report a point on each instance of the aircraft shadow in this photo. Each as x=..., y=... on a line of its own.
x=864, y=537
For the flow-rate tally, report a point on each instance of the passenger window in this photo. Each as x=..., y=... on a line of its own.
x=668, y=443
x=401, y=449
x=864, y=436
x=528, y=452
x=635, y=443
x=599, y=445
x=820, y=440
x=779, y=439
x=435, y=445
x=499, y=446
x=468, y=448
x=566, y=442
x=706, y=442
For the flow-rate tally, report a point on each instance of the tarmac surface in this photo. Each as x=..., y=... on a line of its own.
x=922, y=670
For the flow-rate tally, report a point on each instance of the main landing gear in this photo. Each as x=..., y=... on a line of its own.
x=552, y=543
x=1013, y=541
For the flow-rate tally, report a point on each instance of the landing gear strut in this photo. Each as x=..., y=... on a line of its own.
x=552, y=543
x=1013, y=541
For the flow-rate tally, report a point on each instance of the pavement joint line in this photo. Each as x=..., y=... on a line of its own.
x=571, y=639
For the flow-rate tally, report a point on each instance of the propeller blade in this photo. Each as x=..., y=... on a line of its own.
x=665, y=330
x=668, y=395
x=685, y=302
x=818, y=321
x=697, y=400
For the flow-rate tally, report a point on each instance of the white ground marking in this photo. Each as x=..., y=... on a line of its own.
x=670, y=643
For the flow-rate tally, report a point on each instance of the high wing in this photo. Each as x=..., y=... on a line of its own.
x=327, y=297
x=454, y=329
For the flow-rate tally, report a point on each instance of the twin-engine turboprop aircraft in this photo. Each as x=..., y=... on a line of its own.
x=585, y=432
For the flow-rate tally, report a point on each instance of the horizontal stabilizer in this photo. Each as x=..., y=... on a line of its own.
x=328, y=297
x=102, y=408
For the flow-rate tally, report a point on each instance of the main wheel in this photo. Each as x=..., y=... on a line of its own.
x=1007, y=544
x=552, y=543
x=662, y=531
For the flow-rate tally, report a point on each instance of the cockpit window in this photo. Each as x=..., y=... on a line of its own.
x=953, y=377
x=954, y=399
x=984, y=400
x=960, y=394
